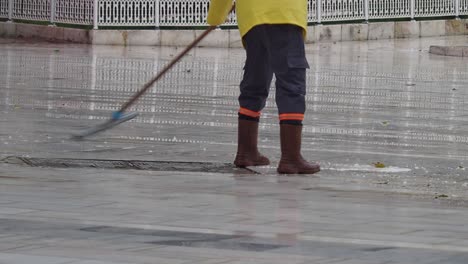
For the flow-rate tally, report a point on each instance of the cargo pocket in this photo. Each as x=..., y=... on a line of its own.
x=298, y=62
x=296, y=50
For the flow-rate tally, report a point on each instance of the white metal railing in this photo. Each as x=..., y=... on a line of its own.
x=342, y=10
x=127, y=13
x=192, y=13
x=186, y=13
x=381, y=9
x=32, y=9
x=432, y=8
x=312, y=11
x=74, y=11
x=4, y=8
x=183, y=13
x=463, y=7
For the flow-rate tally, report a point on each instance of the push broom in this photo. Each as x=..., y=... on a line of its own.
x=120, y=116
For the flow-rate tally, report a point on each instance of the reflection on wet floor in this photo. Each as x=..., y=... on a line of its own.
x=385, y=101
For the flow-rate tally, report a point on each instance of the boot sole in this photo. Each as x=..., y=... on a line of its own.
x=244, y=165
x=291, y=171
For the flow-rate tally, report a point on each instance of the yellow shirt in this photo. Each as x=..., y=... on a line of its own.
x=251, y=13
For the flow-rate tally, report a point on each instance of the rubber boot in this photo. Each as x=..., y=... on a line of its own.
x=292, y=161
x=247, y=151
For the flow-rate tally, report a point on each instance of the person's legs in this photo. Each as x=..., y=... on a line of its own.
x=255, y=84
x=289, y=65
x=254, y=90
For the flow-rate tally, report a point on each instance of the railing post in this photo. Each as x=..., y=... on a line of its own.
x=52, y=11
x=366, y=10
x=10, y=10
x=413, y=9
x=95, y=14
x=457, y=8
x=157, y=20
x=319, y=11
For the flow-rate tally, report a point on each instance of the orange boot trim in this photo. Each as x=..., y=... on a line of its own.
x=291, y=116
x=250, y=113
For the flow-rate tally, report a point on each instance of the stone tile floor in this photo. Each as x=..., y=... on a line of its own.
x=388, y=102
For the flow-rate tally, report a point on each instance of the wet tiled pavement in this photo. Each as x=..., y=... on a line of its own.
x=369, y=103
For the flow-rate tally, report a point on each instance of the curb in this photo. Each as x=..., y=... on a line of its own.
x=230, y=38
x=454, y=51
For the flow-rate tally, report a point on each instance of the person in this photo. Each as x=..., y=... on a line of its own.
x=273, y=34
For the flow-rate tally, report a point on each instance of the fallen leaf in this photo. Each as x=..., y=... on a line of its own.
x=379, y=165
